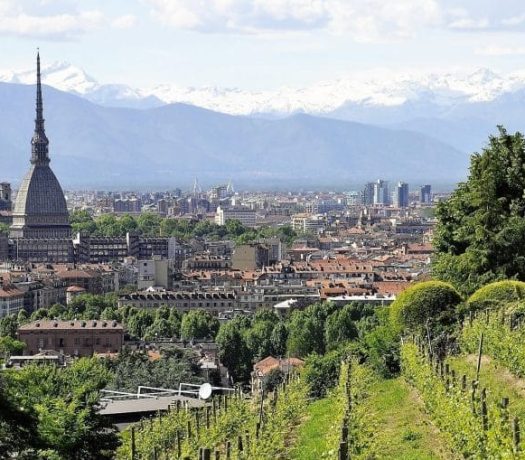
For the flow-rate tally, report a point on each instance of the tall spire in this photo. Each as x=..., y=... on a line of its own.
x=39, y=142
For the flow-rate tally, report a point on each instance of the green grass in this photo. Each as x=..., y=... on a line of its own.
x=498, y=381
x=311, y=440
x=404, y=430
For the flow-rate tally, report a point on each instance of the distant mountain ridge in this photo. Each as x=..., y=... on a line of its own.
x=459, y=108
x=367, y=90
x=93, y=145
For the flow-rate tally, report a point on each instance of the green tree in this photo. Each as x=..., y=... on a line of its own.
x=480, y=236
x=272, y=380
x=259, y=339
x=18, y=426
x=10, y=346
x=160, y=328
x=149, y=224
x=233, y=350
x=279, y=338
x=82, y=222
x=340, y=328
x=306, y=335
x=431, y=303
x=138, y=323
x=65, y=403
x=199, y=324
x=8, y=326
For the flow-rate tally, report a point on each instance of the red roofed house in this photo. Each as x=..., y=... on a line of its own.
x=263, y=367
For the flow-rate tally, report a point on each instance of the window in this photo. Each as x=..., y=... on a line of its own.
x=61, y=342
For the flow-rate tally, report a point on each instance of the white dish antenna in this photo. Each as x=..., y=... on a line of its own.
x=205, y=391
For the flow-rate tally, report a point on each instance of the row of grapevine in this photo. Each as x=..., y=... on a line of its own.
x=503, y=339
x=475, y=425
x=351, y=434
x=231, y=427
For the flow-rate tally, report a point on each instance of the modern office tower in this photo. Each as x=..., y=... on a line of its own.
x=368, y=194
x=401, y=195
x=425, y=194
x=381, y=196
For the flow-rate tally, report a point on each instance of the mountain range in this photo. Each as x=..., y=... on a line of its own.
x=459, y=108
x=94, y=145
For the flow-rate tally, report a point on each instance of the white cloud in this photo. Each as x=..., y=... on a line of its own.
x=54, y=20
x=495, y=50
x=514, y=20
x=124, y=22
x=469, y=24
x=365, y=20
x=53, y=26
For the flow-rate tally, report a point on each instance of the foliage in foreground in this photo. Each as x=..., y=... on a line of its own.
x=350, y=410
x=474, y=425
x=496, y=294
x=480, y=236
x=503, y=338
x=63, y=404
x=426, y=304
x=232, y=421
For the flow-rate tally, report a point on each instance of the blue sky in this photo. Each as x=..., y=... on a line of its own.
x=261, y=44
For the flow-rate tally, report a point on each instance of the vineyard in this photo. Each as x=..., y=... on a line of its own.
x=231, y=426
x=464, y=399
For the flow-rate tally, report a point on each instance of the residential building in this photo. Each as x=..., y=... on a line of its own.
x=153, y=273
x=244, y=215
x=11, y=300
x=75, y=338
x=250, y=256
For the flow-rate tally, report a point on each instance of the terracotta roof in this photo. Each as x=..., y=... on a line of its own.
x=267, y=364
x=9, y=291
x=75, y=289
x=78, y=325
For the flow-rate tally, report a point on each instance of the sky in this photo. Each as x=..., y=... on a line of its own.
x=261, y=44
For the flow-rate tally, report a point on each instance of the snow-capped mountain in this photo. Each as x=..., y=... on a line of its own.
x=67, y=77
x=370, y=90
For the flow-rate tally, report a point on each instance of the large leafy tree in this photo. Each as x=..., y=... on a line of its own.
x=59, y=409
x=480, y=236
x=199, y=324
x=234, y=352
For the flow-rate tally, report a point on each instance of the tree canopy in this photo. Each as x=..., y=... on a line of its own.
x=430, y=303
x=480, y=236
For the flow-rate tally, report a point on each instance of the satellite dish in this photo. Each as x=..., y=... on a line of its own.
x=205, y=391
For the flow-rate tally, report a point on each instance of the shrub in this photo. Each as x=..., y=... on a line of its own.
x=430, y=302
x=496, y=294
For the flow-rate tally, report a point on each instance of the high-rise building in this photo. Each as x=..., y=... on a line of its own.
x=41, y=231
x=368, y=194
x=425, y=194
x=381, y=196
x=401, y=195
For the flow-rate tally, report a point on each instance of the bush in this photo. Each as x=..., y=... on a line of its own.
x=272, y=380
x=430, y=302
x=321, y=372
x=496, y=294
